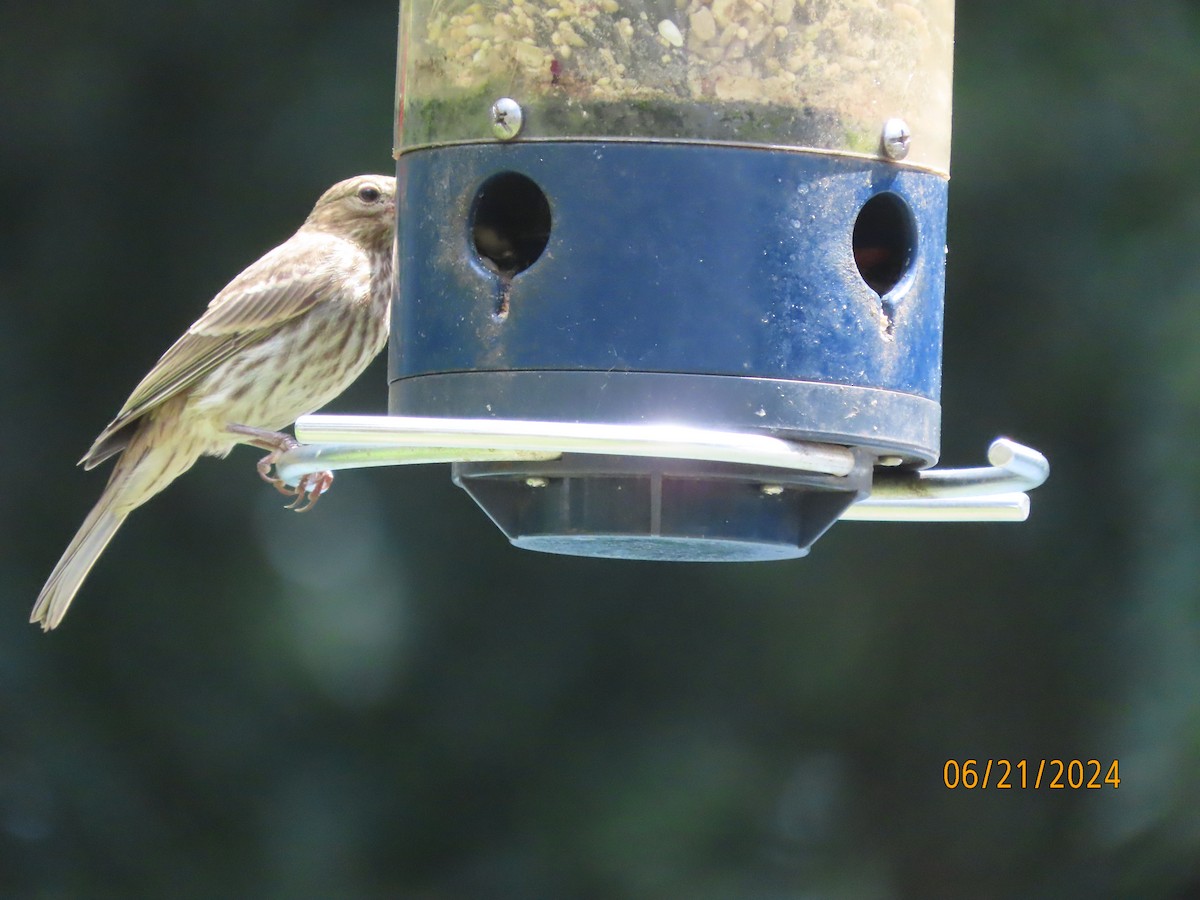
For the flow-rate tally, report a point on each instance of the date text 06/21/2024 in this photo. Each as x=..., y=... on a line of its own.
x=1021, y=774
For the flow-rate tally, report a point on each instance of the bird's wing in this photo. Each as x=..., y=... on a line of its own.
x=303, y=272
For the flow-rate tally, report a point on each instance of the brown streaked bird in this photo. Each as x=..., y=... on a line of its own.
x=284, y=338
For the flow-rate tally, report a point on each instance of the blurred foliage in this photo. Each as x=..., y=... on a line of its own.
x=385, y=699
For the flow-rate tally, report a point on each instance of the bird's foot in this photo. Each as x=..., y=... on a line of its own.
x=310, y=489
x=306, y=492
x=311, y=486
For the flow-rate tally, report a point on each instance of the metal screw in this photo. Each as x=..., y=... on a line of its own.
x=536, y=481
x=896, y=138
x=506, y=118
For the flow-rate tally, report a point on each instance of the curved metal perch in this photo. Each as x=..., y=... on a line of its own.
x=992, y=493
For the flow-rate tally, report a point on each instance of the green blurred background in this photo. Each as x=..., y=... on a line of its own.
x=385, y=699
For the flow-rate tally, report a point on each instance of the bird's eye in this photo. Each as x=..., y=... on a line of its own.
x=369, y=194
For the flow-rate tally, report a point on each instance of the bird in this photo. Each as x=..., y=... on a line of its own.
x=285, y=337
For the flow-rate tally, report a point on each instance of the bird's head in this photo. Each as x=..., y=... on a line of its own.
x=362, y=208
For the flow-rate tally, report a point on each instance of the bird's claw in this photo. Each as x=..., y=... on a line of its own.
x=306, y=493
x=310, y=489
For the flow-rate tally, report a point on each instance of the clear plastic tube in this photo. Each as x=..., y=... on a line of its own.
x=811, y=74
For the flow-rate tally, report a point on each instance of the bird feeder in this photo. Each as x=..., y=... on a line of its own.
x=671, y=274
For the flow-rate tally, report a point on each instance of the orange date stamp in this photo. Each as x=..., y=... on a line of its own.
x=1031, y=774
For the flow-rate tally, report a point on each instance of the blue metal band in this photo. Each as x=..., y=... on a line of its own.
x=672, y=258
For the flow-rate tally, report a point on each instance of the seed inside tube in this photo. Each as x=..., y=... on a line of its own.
x=839, y=56
x=670, y=33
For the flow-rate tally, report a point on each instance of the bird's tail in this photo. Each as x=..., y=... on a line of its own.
x=85, y=548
